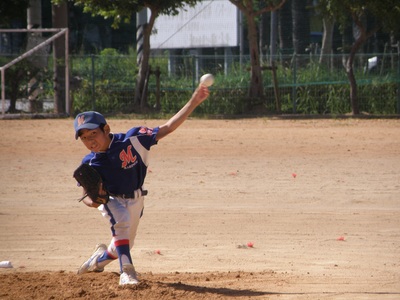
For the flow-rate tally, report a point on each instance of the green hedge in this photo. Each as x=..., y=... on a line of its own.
x=108, y=85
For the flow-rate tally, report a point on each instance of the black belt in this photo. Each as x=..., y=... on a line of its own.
x=129, y=196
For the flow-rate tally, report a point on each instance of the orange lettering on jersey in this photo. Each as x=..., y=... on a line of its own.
x=127, y=157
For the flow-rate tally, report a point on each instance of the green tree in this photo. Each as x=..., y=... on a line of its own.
x=386, y=15
x=122, y=11
x=252, y=10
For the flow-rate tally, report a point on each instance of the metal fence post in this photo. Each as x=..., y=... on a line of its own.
x=294, y=88
x=93, y=85
x=3, y=91
x=194, y=65
x=398, y=77
x=67, y=77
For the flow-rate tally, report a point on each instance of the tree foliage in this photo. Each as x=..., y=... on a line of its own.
x=122, y=11
x=385, y=12
x=386, y=16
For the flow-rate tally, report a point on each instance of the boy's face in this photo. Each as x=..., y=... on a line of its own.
x=95, y=140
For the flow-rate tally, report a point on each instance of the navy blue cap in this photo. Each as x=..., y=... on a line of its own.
x=88, y=120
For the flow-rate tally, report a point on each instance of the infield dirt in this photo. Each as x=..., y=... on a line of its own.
x=319, y=200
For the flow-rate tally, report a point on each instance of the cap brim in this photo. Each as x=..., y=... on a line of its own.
x=89, y=126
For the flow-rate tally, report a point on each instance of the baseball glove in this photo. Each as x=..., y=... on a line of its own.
x=92, y=183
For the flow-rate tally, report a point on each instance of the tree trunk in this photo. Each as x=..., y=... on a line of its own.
x=361, y=37
x=144, y=64
x=60, y=20
x=34, y=21
x=15, y=76
x=143, y=68
x=327, y=39
x=264, y=33
x=350, y=72
x=353, y=86
x=256, y=89
x=256, y=82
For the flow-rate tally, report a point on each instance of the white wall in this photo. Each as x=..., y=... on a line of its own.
x=208, y=24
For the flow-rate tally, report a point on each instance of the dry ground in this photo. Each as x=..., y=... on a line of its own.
x=319, y=199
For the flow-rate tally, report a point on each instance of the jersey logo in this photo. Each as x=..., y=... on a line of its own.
x=127, y=158
x=81, y=120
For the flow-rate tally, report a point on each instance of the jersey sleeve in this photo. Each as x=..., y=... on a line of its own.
x=145, y=135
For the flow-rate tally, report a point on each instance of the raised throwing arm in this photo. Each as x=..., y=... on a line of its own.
x=199, y=95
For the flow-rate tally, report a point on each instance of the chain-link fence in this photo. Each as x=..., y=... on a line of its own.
x=305, y=84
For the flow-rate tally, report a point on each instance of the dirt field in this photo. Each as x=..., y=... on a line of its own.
x=319, y=200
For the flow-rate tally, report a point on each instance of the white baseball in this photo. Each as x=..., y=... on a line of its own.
x=207, y=79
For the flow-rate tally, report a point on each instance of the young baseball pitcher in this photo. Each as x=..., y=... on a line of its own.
x=121, y=160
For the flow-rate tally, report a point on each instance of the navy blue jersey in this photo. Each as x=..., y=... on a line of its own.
x=123, y=166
